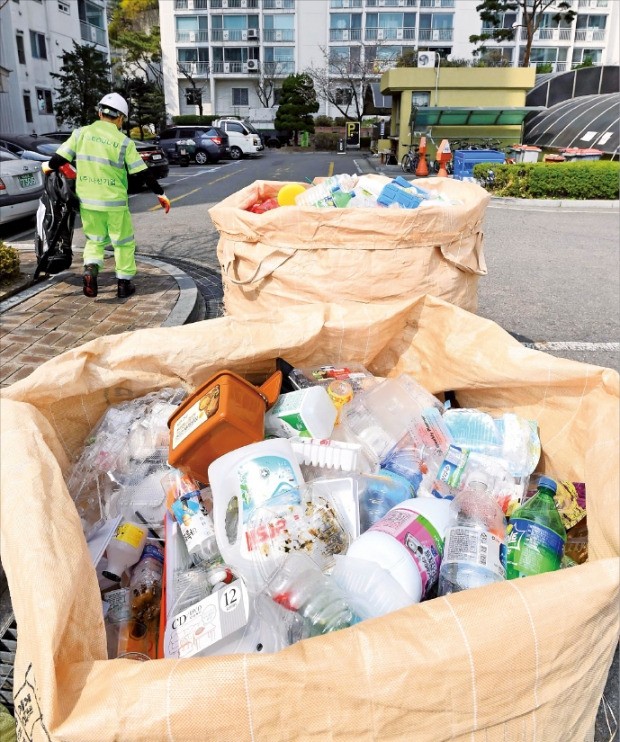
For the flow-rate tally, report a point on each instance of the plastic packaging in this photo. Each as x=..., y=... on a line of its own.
x=195, y=523
x=321, y=195
x=474, y=549
x=327, y=454
x=289, y=192
x=408, y=543
x=340, y=393
x=300, y=586
x=124, y=550
x=357, y=375
x=535, y=534
x=305, y=412
x=146, y=590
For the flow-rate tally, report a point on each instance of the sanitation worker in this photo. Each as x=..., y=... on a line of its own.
x=104, y=157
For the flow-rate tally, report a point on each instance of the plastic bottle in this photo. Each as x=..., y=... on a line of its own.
x=300, y=586
x=474, y=549
x=124, y=549
x=536, y=535
x=145, y=591
x=408, y=543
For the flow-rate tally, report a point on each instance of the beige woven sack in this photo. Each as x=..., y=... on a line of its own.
x=522, y=660
x=294, y=255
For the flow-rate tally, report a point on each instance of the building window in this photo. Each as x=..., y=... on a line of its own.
x=420, y=99
x=64, y=8
x=240, y=97
x=44, y=101
x=27, y=107
x=193, y=96
x=21, y=52
x=37, y=42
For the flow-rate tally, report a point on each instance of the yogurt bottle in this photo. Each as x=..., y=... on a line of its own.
x=408, y=543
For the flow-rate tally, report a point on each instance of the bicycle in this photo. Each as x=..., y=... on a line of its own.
x=410, y=161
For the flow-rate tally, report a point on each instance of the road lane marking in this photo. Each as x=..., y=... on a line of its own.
x=177, y=198
x=549, y=345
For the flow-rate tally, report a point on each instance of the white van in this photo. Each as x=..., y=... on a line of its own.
x=242, y=137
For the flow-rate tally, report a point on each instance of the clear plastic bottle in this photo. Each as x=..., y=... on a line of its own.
x=536, y=535
x=300, y=586
x=474, y=549
x=145, y=592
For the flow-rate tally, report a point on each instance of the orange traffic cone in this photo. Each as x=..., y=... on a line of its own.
x=444, y=155
x=422, y=169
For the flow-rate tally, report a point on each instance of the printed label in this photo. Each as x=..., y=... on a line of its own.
x=263, y=478
x=196, y=415
x=196, y=526
x=205, y=623
x=130, y=533
x=423, y=542
x=469, y=546
x=285, y=418
x=531, y=549
x=119, y=602
x=450, y=472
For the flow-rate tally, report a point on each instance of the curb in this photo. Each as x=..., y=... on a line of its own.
x=189, y=307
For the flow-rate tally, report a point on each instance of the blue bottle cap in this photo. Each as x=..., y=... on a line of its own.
x=548, y=483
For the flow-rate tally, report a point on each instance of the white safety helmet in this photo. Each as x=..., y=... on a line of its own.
x=113, y=103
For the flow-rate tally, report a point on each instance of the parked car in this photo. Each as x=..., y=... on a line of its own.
x=60, y=136
x=29, y=147
x=153, y=156
x=242, y=136
x=211, y=143
x=21, y=186
x=273, y=138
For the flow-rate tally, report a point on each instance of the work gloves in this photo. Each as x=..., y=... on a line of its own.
x=164, y=202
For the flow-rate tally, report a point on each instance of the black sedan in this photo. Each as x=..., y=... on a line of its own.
x=29, y=147
x=153, y=156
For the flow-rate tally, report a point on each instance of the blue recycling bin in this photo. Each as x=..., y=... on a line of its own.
x=465, y=159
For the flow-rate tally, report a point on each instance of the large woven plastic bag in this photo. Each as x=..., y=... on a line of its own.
x=522, y=660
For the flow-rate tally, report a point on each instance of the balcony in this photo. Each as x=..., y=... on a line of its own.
x=278, y=4
x=195, y=69
x=236, y=68
x=436, y=34
x=339, y=4
x=277, y=34
x=92, y=34
x=593, y=3
x=345, y=34
x=390, y=34
x=237, y=34
x=192, y=37
x=274, y=69
x=549, y=34
x=437, y=4
x=555, y=66
x=234, y=4
x=391, y=3
x=590, y=34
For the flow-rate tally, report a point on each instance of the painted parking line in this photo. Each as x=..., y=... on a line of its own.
x=546, y=346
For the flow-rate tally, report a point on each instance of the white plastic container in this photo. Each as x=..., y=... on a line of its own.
x=241, y=482
x=408, y=543
x=124, y=549
x=309, y=413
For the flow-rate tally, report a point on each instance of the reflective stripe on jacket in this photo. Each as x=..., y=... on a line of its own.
x=103, y=156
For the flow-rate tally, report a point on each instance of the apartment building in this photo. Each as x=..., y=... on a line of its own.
x=33, y=35
x=219, y=50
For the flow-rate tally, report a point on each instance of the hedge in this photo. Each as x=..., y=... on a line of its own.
x=576, y=180
x=9, y=262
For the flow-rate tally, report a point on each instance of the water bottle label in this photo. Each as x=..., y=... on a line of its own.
x=419, y=536
x=450, y=472
x=195, y=525
x=471, y=546
x=531, y=549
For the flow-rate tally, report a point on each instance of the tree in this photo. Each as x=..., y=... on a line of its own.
x=145, y=100
x=297, y=103
x=343, y=80
x=267, y=83
x=492, y=12
x=408, y=58
x=195, y=90
x=135, y=37
x=84, y=79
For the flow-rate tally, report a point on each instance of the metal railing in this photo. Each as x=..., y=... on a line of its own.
x=436, y=34
x=192, y=37
x=201, y=4
x=195, y=69
x=593, y=3
x=339, y=4
x=277, y=34
x=92, y=33
x=549, y=34
x=590, y=34
x=555, y=66
x=278, y=4
x=436, y=3
x=391, y=3
x=181, y=4
x=390, y=34
x=234, y=4
x=345, y=34
x=278, y=68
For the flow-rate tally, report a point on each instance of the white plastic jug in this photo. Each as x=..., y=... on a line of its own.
x=242, y=482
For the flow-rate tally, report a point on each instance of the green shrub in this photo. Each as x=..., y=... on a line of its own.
x=193, y=118
x=576, y=180
x=326, y=140
x=323, y=121
x=9, y=262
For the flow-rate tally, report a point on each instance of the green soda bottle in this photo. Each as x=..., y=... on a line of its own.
x=535, y=536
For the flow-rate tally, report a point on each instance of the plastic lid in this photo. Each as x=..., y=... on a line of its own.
x=548, y=483
x=111, y=576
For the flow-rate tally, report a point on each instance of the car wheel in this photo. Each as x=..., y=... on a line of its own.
x=235, y=153
x=201, y=157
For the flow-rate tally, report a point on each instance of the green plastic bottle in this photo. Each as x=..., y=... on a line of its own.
x=535, y=536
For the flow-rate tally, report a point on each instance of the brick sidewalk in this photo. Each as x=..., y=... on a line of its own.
x=60, y=317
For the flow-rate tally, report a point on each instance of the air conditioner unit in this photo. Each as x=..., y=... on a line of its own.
x=252, y=33
x=244, y=36
x=278, y=35
x=427, y=59
x=381, y=2
x=279, y=4
x=93, y=34
x=193, y=36
x=224, y=3
x=225, y=35
x=244, y=3
x=226, y=67
x=399, y=34
x=401, y=2
x=380, y=34
x=252, y=65
x=345, y=35
x=435, y=35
